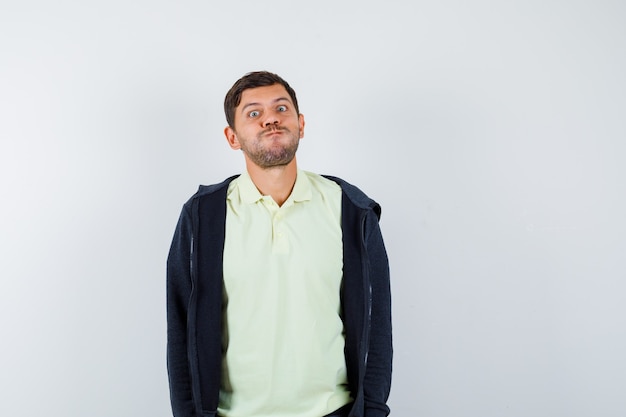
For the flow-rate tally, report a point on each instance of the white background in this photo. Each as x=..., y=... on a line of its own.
x=492, y=133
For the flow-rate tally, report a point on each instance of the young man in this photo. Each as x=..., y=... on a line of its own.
x=278, y=299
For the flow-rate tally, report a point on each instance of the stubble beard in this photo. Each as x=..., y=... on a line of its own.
x=269, y=155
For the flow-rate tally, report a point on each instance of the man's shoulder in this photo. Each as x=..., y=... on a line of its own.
x=355, y=195
x=212, y=190
x=321, y=182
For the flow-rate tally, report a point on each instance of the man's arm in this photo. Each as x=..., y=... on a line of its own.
x=178, y=294
x=377, y=382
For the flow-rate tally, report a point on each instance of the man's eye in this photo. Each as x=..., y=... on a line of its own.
x=282, y=108
x=253, y=113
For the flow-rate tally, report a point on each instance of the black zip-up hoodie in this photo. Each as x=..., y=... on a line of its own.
x=194, y=303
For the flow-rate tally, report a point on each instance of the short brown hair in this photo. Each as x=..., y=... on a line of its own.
x=253, y=80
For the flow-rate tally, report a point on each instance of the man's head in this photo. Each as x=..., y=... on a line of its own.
x=253, y=80
x=263, y=120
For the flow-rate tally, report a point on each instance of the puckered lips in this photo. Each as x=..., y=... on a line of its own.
x=274, y=131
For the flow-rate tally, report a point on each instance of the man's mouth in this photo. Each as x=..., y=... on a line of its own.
x=273, y=131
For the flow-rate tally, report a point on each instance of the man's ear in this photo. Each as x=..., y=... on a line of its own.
x=231, y=138
x=301, y=124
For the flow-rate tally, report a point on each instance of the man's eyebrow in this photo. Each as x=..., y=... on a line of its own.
x=273, y=101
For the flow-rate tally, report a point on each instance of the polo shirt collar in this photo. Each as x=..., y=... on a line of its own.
x=301, y=189
x=249, y=194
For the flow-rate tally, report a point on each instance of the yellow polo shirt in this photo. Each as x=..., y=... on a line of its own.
x=283, y=337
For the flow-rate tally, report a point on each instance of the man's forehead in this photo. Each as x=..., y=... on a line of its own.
x=269, y=92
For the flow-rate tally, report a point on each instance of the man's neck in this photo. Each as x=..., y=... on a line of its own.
x=275, y=181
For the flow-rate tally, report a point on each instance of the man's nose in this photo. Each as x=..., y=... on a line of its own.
x=271, y=119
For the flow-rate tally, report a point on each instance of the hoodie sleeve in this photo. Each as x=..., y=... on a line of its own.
x=178, y=295
x=377, y=382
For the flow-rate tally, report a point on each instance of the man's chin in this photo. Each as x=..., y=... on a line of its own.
x=276, y=163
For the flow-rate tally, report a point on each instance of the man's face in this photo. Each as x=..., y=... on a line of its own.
x=267, y=128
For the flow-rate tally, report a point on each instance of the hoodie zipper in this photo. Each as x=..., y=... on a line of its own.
x=366, y=275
